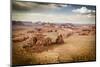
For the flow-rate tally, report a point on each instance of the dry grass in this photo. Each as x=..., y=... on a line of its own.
x=75, y=48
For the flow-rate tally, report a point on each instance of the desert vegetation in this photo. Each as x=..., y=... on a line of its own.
x=44, y=43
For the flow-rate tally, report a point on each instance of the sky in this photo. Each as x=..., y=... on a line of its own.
x=53, y=12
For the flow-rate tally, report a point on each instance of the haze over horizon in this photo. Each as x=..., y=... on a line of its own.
x=53, y=13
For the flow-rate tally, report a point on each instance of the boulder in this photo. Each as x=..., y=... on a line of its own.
x=47, y=41
x=59, y=40
x=20, y=38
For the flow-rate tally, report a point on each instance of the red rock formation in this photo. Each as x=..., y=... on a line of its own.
x=59, y=40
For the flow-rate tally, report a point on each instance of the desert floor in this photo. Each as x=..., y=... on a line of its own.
x=75, y=49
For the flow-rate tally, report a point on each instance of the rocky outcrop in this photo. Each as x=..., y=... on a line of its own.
x=20, y=39
x=59, y=40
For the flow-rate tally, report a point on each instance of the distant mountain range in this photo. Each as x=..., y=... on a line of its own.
x=21, y=23
x=39, y=23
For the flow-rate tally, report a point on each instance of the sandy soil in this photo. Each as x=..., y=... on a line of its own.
x=76, y=48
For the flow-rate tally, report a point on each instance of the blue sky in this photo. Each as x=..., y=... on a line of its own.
x=53, y=12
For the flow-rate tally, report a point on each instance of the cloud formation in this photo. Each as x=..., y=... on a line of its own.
x=83, y=10
x=36, y=6
x=53, y=12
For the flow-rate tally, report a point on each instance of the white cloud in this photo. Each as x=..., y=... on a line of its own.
x=54, y=18
x=93, y=11
x=36, y=6
x=63, y=5
x=83, y=10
